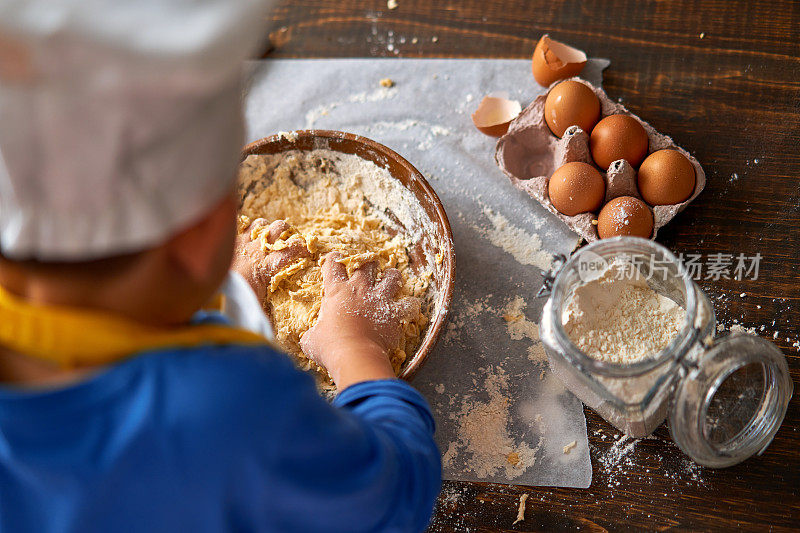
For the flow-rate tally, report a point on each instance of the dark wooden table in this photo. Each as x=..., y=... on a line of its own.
x=723, y=79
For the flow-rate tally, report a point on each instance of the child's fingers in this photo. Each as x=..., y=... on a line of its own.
x=278, y=260
x=365, y=275
x=408, y=307
x=254, y=225
x=299, y=249
x=309, y=345
x=275, y=230
x=333, y=271
x=390, y=285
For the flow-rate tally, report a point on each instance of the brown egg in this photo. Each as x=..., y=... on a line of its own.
x=618, y=137
x=576, y=188
x=571, y=103
x=625, y=215
x=666, y=177
x=553, y=60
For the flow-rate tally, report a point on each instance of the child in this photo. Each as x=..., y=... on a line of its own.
x=122, y=408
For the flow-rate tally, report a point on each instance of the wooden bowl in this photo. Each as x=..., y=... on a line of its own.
x=440, y=242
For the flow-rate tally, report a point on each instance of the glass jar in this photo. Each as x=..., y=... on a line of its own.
x=725, y=398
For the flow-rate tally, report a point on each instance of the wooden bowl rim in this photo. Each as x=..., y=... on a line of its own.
x=436, y=328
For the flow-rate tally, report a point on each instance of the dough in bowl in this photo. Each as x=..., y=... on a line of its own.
x=321, y=195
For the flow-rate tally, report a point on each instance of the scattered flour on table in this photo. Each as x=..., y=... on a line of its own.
x=616, y=456
x=451, y=495
x=448, y=512
x=738, y=328
x=726, y=304
x=483, y=432
x=625, y=460
x=526, y=248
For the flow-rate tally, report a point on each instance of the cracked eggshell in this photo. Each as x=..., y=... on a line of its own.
x=553, y=61
x=529, y=154
x=494, y=114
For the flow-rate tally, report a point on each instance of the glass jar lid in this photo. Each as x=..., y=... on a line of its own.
x=731, y=400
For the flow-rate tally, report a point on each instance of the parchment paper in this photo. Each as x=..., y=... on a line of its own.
x=426, y=118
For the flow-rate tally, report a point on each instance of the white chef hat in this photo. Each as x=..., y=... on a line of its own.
x=120, y=121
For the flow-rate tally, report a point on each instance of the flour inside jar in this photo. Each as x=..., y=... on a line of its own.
x=618, y=318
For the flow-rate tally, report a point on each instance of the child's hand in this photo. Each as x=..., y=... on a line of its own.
x=256, y=266
x=358, y=323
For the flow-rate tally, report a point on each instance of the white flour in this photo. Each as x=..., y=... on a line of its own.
x=428, y=133
x=620, y=319
x=623, y=460
x=485, y=440
x=520, y=328
x=382, y=93
x=525, y=247
x=483, y=431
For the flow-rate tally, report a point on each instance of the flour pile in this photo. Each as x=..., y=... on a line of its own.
x=618, y=318
x=483, y=431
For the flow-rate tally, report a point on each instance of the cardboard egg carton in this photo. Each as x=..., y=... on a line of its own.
x=529, y=154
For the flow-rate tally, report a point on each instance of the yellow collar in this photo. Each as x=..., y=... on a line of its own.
x=75, y=338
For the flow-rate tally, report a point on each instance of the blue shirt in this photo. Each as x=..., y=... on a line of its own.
x=213, y=438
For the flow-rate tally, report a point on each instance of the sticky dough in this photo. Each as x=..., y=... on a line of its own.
x=327, y=211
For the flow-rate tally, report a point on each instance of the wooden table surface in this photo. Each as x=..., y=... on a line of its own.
x=723, y=79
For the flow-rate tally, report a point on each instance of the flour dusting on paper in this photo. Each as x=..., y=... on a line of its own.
x=483, y=431
x=386, y=91
x=484, y=440
x=526, y=248
x=428, y=132
x=323, y=110
x=520, y=328
x=464, y=314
